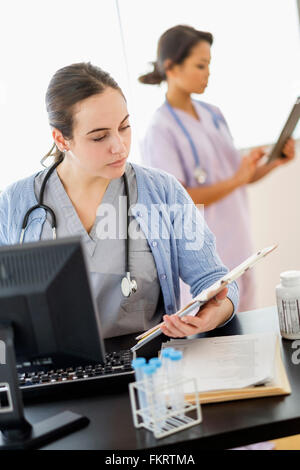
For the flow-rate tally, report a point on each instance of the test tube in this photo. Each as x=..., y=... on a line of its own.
x=175, y=376
x=158, y=378
x=138, y=364
x=165, y=359
x=159, y=391
x=156, y=362
x=151, y=414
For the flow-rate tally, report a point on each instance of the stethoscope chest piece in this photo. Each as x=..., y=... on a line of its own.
x=128, y=286
x=200, y=175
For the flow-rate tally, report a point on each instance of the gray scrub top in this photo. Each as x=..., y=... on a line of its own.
x=105, y=255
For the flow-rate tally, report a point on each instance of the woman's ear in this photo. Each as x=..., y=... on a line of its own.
x=61, y=142
x=169, y=67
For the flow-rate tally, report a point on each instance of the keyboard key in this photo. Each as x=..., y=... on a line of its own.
x=45, y=378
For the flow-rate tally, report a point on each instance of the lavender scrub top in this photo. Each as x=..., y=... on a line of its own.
x=165, y=146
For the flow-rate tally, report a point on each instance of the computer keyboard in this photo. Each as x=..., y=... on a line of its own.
x=47, y=381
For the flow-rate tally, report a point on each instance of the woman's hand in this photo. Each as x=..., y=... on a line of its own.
x=263, y=170
x=248, y=166
x=288, y=152
x=212, y=314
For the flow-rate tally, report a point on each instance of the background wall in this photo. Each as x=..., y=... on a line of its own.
x=255, y=67
x=275, y=212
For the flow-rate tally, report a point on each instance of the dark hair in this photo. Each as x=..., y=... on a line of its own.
x=69, y=86
x=175, y=44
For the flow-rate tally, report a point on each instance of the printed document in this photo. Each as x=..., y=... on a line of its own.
x=228, y=362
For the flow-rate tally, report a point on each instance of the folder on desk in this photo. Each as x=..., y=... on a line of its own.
x=235, y=367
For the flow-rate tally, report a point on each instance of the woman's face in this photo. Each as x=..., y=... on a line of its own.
x=192, y=75
x=101, y=135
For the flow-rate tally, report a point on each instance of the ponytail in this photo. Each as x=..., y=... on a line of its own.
x=174, y=45
x=153, y=78
x=53, y=152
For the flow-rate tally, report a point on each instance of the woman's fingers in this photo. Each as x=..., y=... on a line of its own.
x=222, y=295
x=218, y=298
x=175, y=327
x=288, y=150
x=257, y=154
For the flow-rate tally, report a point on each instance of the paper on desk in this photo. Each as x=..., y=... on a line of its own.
x=228, y=362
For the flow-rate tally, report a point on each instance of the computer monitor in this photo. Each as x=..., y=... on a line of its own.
x=46, y=296
x=47, y=312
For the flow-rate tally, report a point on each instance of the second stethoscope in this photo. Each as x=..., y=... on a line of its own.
x=199, y=173
x=128, y=285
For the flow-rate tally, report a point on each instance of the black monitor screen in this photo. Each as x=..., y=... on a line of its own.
x=45, y=294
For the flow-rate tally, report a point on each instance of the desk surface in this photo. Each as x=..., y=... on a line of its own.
x=224, y=425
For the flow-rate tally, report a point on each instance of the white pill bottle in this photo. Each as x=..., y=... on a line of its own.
x=288, y=304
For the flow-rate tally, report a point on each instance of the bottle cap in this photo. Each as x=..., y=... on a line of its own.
x=290, y=278
x=148, y=369
x=166, y=352
x=175, y=355
x=156, y=362
x=138, y=362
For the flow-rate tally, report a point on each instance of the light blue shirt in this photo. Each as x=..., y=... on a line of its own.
x=185, y=250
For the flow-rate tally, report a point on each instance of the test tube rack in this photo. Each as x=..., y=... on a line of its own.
x=159, y=417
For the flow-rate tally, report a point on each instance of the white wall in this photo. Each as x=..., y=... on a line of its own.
x=255, y=66
x=37, y=38
x=275, y=213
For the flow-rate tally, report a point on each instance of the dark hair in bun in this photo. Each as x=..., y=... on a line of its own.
x=174, y=44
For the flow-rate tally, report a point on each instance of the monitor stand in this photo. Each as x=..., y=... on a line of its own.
x=15, y=431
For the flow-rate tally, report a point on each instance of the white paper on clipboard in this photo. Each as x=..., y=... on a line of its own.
x=214, y=289
x=209, y=293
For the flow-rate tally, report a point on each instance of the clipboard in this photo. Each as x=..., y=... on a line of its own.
x=286, y=132
x=193, y=307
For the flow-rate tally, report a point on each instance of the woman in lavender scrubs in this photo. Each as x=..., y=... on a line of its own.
x=191, y=140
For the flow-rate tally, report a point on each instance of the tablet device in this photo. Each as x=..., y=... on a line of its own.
x=286, y=132
x=193, y=307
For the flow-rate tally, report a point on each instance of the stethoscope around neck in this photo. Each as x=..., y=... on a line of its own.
x=128, y=285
